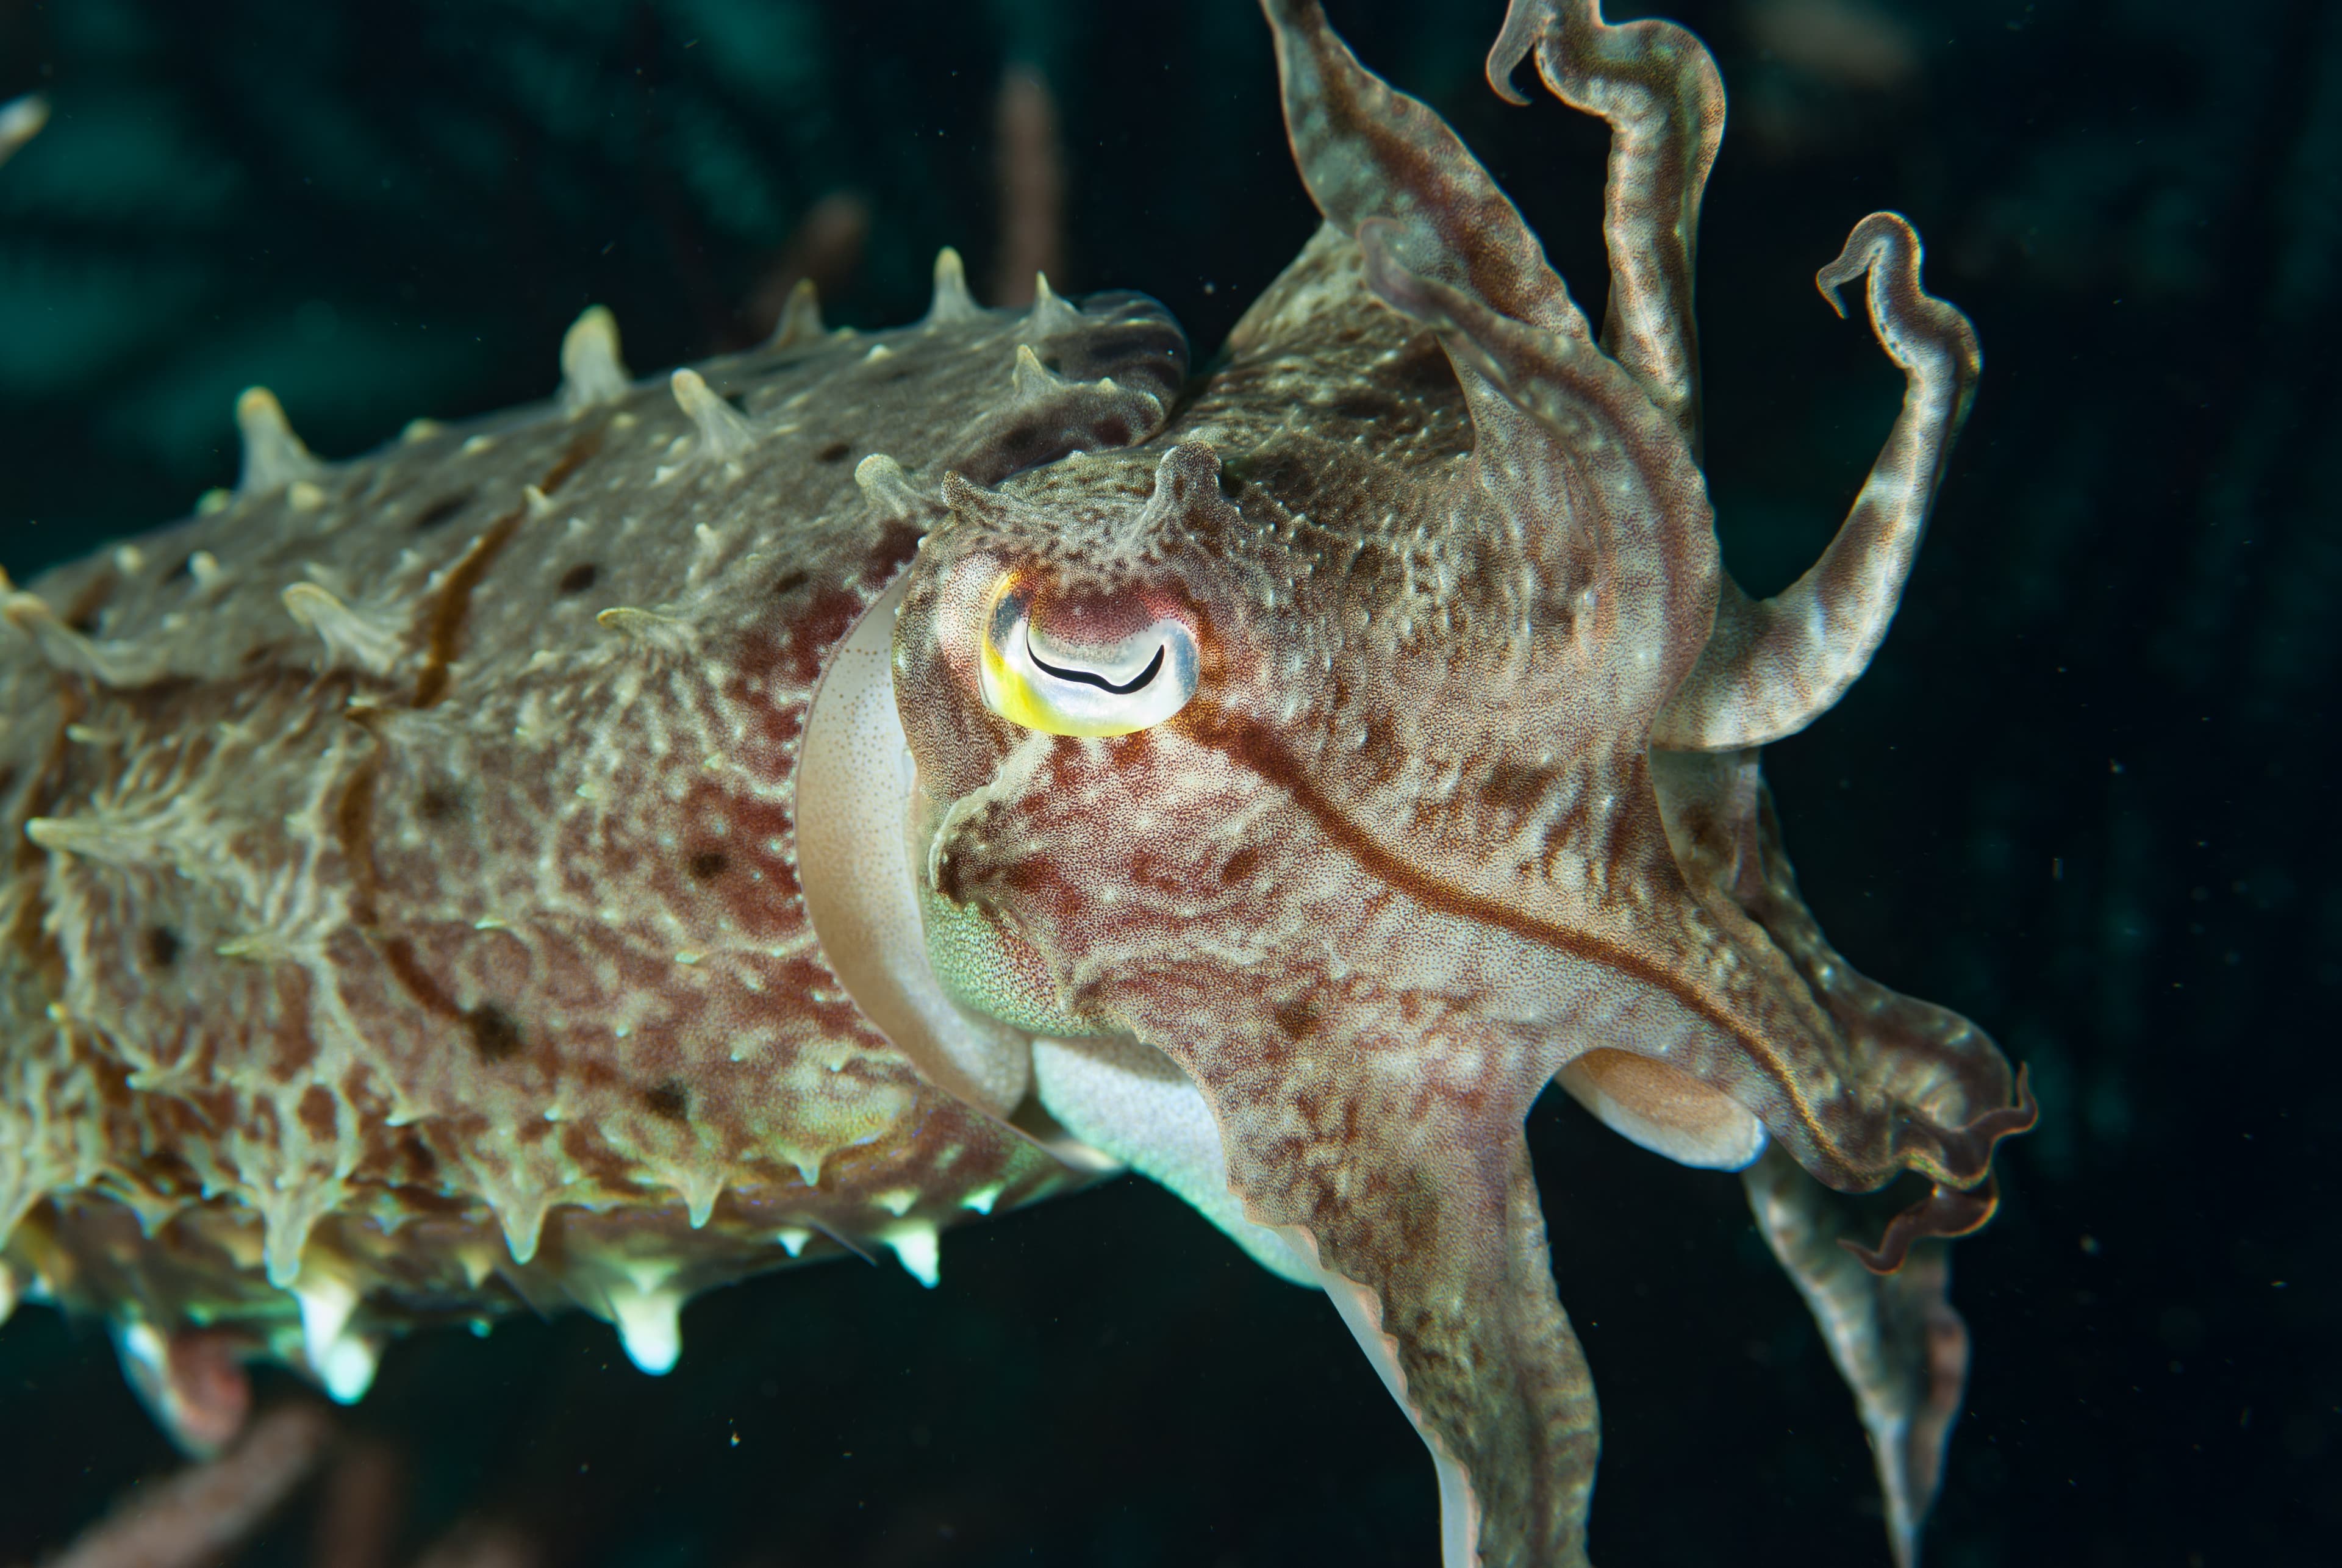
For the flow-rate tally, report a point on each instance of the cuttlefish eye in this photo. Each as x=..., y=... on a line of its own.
x=1088, y=681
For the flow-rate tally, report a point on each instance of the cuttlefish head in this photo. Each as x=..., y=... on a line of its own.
x=1302, y=814
x=1315, y=784
x=1057, y=627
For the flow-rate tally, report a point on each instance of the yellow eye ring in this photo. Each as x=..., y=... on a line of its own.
x=1030, y=680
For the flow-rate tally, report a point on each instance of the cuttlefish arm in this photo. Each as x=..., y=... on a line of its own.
x=1420, y=1212
x=1658, y=90
x=1774, y=665
x=1368, y=152
x=1883, y=1310
x=1895, y=1337
x=1462, y=1250
x=1949, y=1091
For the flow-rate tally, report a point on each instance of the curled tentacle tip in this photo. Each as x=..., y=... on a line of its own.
x=1945, y=1211
x=1882, y=238
x=1524, y=25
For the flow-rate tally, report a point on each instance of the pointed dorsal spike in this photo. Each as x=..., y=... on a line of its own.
x=591, y=371
x=326, y=1300
x=273, y=457
x=1051, y=313
x=1031, y=378
x=352, y=638
x=800, y=322
x=951, y=302
x=888, y=487
x=288, y=1214
x=64, y=649
x=723, y=433
x=700, y=1191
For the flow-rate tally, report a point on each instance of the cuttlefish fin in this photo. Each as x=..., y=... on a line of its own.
x=1422, y=1222
x=1896, y=1338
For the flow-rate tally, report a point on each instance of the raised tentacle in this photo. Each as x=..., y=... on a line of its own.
x=1775, y=665
x=1895, y=1338
x=1656, y=84
x=1368, y=152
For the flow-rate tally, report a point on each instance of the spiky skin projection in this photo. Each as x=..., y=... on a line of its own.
x=401, y=906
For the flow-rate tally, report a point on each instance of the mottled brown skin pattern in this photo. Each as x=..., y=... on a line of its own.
x=1410, y=850
x=356, y=959
x=481, y=978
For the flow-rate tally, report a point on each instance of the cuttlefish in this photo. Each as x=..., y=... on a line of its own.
x=591, y=854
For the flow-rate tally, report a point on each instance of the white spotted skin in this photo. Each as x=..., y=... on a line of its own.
x=401, y=881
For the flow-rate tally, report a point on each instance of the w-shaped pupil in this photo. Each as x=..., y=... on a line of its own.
x=1091, y=678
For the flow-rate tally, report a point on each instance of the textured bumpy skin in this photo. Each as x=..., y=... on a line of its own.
x=406, y=916
x=403, y=918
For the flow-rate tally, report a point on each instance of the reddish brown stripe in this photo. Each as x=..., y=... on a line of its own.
x=444, y=634
x=580, y=452
x=455, y=602
x=353, y=827
x=398, y=953
x=1249, y=743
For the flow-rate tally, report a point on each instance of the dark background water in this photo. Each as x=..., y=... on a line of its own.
x=2083, y=795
